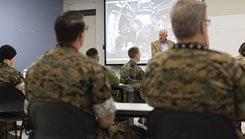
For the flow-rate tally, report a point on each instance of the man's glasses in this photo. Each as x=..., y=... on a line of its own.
x=208, y=21
x=86, y=27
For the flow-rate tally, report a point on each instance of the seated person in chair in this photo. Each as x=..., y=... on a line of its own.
x=113, y=79
x=9, y=76
x=189, y=77
x=131, y=73
x=63, y=74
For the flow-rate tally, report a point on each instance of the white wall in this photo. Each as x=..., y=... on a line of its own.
x=99, y=5
x=215, y=8
x=225, y=7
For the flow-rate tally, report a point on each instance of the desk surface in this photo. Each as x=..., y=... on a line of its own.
x=133, y=109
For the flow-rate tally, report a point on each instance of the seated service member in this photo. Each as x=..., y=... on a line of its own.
x=134, y=77
x=64, y=74
x=125, y=78
x=9, y=76
x=113, y=79
x=161, y=45
x=190, y=77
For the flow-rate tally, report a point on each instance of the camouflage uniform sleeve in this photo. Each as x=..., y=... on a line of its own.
x=239, y=90
x=103, y=103
x=124, y=76
x=148, y=80
x=18, y=80
x=139, y=73
x=105, y=108
x=113, y=79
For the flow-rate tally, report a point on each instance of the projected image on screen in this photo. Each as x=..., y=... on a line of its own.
x=134, y=23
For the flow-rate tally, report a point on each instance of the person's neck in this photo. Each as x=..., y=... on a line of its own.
x=76, y=45
x=195, y=39
x=6, y=61
x=134, y=59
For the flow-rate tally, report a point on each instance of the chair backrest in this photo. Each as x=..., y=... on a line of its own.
x=56, y=120
x=11, y=99
x=170, y=124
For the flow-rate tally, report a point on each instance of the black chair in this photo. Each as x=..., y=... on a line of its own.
x=56, y=120
x=170, y=124
x=11, y=108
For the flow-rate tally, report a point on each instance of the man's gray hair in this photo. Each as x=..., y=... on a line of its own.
x=187, y=17
x=165, y=30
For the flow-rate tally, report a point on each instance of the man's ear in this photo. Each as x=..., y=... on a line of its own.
x=202, y=28
x=81, y=35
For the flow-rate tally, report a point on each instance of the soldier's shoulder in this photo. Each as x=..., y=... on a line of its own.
x=220, y=55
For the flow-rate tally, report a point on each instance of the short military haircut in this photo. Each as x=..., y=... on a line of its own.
x=68, y=26
x=133, y=51
x=242, y=49
x=92, y=53
x=186, y=18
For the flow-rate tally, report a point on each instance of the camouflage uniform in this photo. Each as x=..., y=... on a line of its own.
x=189, y=77
x=126, y=79
x=240, y=59
x=63, y=74
x=10, y=77
x=113, y=79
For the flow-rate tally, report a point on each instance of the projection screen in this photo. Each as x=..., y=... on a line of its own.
x=131, y=23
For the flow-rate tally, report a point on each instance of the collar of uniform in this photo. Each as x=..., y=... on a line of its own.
x=3, y=64
x=190, y=46
x=66, y=47
x=131, y=61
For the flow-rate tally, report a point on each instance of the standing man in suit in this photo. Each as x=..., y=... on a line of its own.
x=161, y=45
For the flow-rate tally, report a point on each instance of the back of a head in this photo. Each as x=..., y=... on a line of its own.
x=68, y=26
x=133, y=51
x=92, y=53
x=186, y=18
x=242, y=49
x=7, y=52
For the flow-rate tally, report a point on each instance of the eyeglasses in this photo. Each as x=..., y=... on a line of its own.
x=208, y=21
x=86, y=27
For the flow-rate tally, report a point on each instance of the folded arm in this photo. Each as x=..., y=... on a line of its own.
x=105, y=113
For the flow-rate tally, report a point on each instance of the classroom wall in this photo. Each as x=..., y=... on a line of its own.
x=215, y=8
x=27, y=25
x=225, y=7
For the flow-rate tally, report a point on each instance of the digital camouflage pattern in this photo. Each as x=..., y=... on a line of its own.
x=63, y=74
x=189, y=77
x=10, y=76
x=126, y=79
x=240, y=59
x=113, y=81
x=124, y=73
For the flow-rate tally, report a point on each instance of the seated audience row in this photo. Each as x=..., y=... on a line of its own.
x=187, y=77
